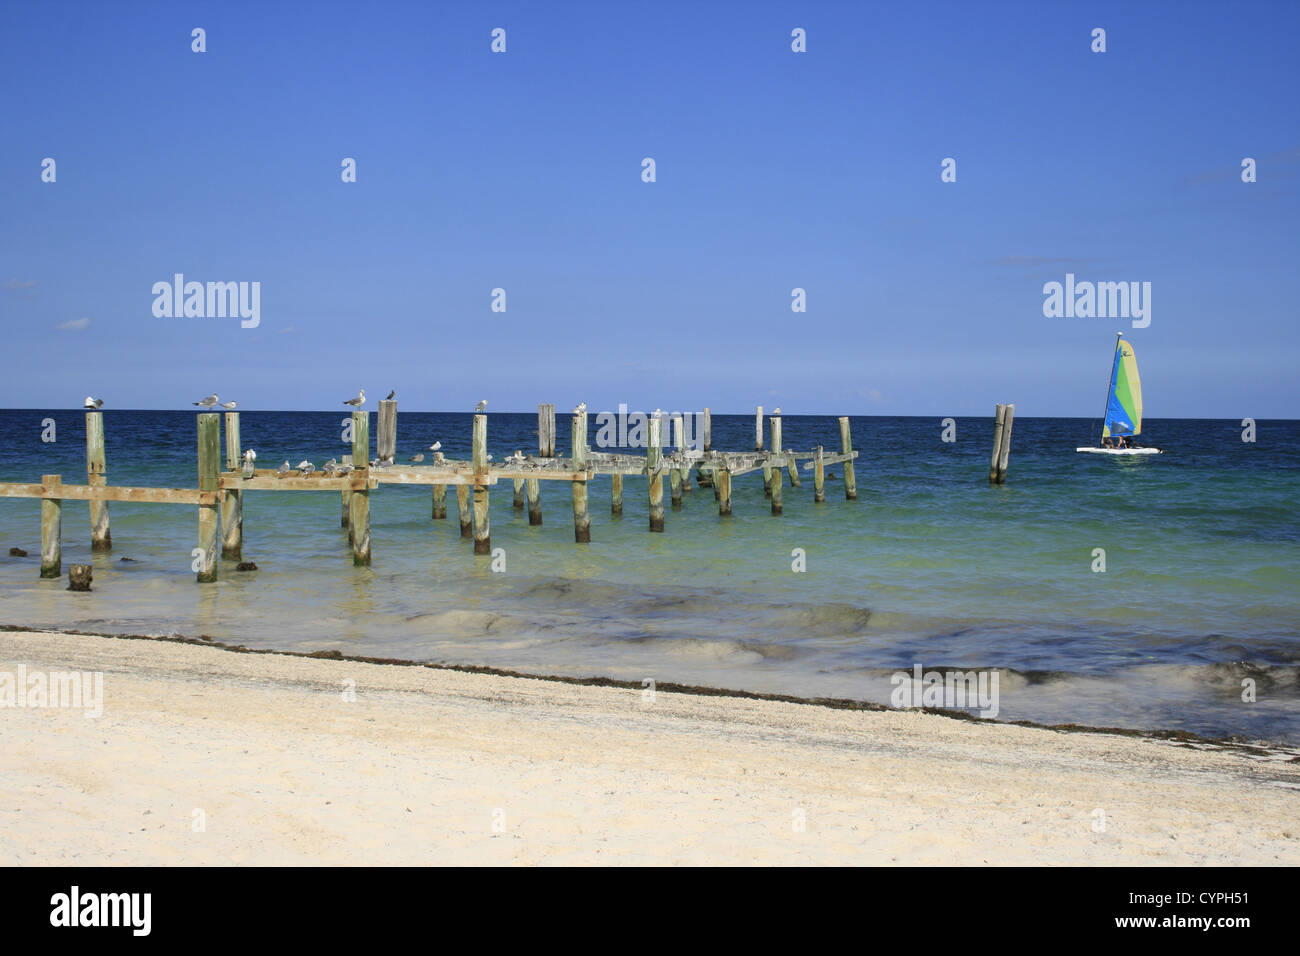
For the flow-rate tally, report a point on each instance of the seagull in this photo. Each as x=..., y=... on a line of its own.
x=481, y=406
x=283, y=469
x=330, y=467
x=93, y=402
x=390, y=395
x=229, y=405
x=419, y=457
x=581, y=407
x=657, y=413
x=378, y=463
x=209, y=401
x=358, y=401
x=306, y=467
x=250, y=455
x=489, y=458
x=436, y=446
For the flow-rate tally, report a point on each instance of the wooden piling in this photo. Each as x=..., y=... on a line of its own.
x=722, y=485
x=101, y=538
x=653, y=457
x=209, y=437
x=679, y=442
x=846, y=447
x=708, y=430
x=578, y=445
x=439, y=494
x=478, y=452
x=758, y=446
x=705, y=478
x=51, y=529
x=819, y=477
x=518, y=502
x=359, y=510
x=616, y=494
x=347, y=502
x=80, y=576
x=386, y=430
x=463, y=511
x=777, y=447
x=999, y=421
x=675, y=474
x=1004, y=452
x=545, y=449
x=232, y=501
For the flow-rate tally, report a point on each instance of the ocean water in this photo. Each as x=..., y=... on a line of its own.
x=930, y=566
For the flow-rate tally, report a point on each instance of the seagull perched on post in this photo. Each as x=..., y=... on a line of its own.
x=330, y=467
x=93, y=402
x=209, y=401
x=229, y=405
x=436, y=446
x=358, y=401
x=481, y=405
x=777, y=410
x=580, y=408
x=390, y=395
x=419, y=457
x=283, y=469
x=306, y=467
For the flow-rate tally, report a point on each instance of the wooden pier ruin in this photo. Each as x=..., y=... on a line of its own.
x=219, y=493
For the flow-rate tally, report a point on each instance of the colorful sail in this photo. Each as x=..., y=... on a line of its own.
x=1124, y=403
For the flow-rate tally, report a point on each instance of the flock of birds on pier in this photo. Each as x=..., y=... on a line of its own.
x=332, y=468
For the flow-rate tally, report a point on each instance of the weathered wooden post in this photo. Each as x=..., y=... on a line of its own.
x=545, y=449
x=846, y=447
x=1004, y=453
x=518, y=502
x=675, y=474
x=653, y=459
x=682, y=447
x=232, y=501
x=209, y=429
x=722, y=484
x=51, y=528
x=439, y=493
x=80, y=576
x=777, y=448
x=347, y=504
x=758, y=446
x=386, y=430
x=478, y=451
x=999, y=420
x=819, y=477
x=101, y=539
x=616, y=494
x=704, y=478
x=359, y=512
x=463, y=511
x=578, y=444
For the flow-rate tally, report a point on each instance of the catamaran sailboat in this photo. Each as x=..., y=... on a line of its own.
x=1123, y=404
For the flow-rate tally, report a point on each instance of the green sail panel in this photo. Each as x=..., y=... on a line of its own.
x=1124, y=403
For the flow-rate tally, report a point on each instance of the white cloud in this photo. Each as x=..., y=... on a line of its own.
x=74, y=325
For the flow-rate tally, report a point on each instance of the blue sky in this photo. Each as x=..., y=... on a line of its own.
x=775, y=170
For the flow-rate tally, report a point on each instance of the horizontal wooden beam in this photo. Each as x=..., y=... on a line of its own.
x=162, y=496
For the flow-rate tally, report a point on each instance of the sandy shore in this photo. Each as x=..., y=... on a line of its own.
x=443, y=767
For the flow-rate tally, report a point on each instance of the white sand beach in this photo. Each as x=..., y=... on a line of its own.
x=432, y=766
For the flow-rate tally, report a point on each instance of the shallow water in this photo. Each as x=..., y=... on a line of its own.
x=929, y=566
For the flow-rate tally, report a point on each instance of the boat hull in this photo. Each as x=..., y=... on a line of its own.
x=1121, y=451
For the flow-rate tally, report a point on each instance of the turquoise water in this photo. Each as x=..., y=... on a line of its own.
x=929, y=566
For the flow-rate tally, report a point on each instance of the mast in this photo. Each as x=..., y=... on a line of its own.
x=1111, y=381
